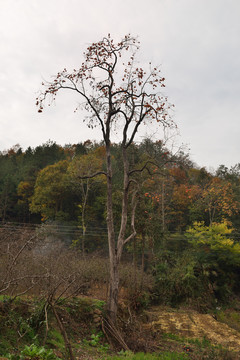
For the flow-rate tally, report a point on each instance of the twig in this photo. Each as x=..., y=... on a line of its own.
x=46, y=320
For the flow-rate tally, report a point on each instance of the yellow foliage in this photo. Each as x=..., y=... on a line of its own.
x=215, y=237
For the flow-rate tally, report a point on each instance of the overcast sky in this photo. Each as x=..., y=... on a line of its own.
x=196, y=42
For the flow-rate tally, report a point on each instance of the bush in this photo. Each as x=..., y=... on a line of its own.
x=34, y=352
x=180, y=279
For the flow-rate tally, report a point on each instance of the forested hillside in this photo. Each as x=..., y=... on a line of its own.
x=45, y=184
x=180, y=206
x=54, y=233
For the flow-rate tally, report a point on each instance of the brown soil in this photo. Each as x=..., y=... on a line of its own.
x=190, y=324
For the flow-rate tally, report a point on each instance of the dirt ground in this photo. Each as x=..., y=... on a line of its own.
x=193, y=325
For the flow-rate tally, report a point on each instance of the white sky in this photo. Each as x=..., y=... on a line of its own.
x=196, y=42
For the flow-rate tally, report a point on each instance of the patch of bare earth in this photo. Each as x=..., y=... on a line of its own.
x=191, y=324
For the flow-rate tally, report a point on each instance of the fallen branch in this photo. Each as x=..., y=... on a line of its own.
x=63, y=331
x=109, y=327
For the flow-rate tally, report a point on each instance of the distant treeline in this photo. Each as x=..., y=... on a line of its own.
x=46, y=184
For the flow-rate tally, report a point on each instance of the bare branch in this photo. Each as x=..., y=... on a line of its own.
x=93, y=175
x=143, y=168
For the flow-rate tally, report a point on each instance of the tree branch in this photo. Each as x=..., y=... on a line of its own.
x=93, y=175
x=134, y=205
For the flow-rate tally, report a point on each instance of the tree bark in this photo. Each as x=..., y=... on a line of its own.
x=114, y=272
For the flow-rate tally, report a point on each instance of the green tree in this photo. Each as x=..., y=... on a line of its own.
x=218, y=255
x=25, y=191
x=9, y=177
x=82, y=171
x=214, y=237
x=50, y=191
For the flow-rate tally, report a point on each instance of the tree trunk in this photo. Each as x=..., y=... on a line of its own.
x=143, y=259
x=84, y=204
x=114, y=273
x=163, y=208
x=113, y=290
x=124, y=214
x=115, y=251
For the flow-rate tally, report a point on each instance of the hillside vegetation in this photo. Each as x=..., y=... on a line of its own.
x=54, y=255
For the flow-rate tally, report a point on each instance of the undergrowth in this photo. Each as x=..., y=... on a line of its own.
x=27, y=332
x=143, y=356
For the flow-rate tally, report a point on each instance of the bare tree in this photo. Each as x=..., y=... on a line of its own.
x=119, y=96
x=15, y=247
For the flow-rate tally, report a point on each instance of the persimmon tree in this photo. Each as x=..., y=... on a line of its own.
x=120, y=96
